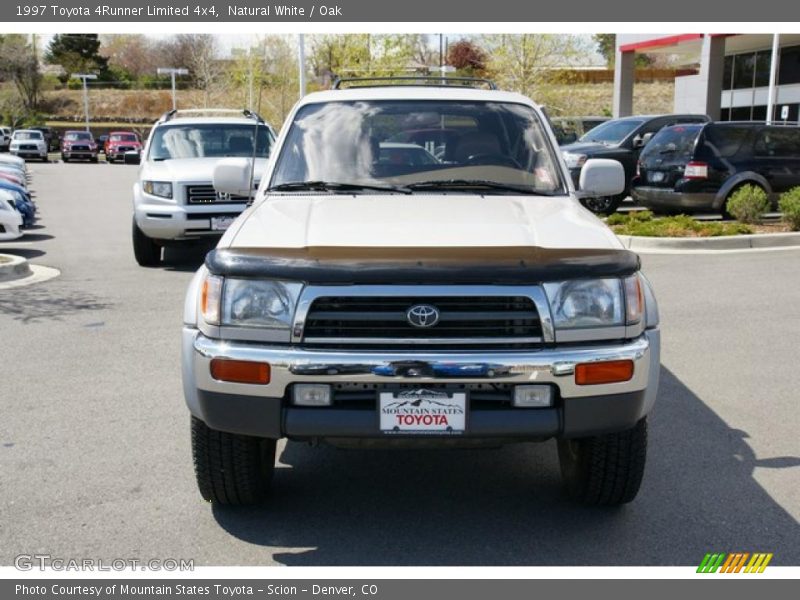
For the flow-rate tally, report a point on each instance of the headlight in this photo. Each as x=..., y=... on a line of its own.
x=586, y=303
x=590, y=303
x=574, y=161
x=162, y=189
x=249, y=302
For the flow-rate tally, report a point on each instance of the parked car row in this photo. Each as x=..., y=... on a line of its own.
x=685, y=163
x=37, y=142
x=17, y=209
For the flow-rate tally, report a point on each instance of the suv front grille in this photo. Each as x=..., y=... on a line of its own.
x=205, y=194
x=465, y=322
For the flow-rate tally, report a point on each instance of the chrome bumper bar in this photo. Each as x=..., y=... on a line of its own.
x=291, y=365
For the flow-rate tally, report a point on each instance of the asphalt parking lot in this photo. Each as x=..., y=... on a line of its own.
x=94, y=436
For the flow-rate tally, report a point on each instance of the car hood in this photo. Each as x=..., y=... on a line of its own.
x=422, y=220
x=588, y=148
x=189, y=169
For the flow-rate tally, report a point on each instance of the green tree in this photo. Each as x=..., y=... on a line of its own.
x=606, y=46
x=77, y=53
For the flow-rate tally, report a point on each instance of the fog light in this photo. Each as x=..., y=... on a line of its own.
x=611, y=371
x=240, y=371
x=533, y=396
x=311, y=394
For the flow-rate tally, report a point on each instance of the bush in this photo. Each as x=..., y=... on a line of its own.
x=643, y=224
x=636, y=216
x=789, y=205
x=748, y=204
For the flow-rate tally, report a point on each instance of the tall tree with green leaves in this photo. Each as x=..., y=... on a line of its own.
x=77, y=53
x=606, y=46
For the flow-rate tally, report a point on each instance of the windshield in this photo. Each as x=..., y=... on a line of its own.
x=78, y=135
x=208, y=140
x=672, y=143
x=612, y=132
x=124, y=137
x=27, y=135
x=406, y=143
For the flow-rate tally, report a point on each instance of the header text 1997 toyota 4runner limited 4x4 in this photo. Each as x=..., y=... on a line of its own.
x=415, y=271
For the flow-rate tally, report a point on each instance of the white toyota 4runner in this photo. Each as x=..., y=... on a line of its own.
x=416, y=270
x=173, y=199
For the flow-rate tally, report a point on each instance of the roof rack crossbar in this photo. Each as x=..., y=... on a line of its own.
x=169, y=115
x=417, y=80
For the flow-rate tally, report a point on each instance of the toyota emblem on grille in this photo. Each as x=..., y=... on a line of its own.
x=423, y=315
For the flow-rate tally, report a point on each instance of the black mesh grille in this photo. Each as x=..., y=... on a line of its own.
x=482, y=320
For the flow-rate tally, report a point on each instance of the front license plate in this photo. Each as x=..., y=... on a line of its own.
x=656, y=176
x=221, y=223
x=422, y=412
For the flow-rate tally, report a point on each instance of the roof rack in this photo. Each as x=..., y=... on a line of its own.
x=415, y=80
x=189, y=112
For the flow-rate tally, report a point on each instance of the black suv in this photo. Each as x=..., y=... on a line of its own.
x=698, y=167
x=621, y=140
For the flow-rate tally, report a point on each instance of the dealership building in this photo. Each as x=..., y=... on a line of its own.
x=739, y=77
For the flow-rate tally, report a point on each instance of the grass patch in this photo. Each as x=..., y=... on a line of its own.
x=644, y=224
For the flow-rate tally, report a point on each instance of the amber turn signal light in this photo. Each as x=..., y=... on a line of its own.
x=612, y=371
x=240, y=371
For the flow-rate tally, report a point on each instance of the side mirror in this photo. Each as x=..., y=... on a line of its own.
x=640, y=141
x=132, y=157
x=601, y=177
x=232, y=176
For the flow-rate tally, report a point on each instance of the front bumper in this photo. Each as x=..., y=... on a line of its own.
x=266, y=411
x=166, y=219
x=667, y=198
x=85, y=154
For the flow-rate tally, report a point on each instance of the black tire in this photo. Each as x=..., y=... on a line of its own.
x=604, y=205
x=64, y=158
x=231, y=469
x=145, y=250
x=605, y=470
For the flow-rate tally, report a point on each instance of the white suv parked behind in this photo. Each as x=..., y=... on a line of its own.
x=28, y=143
x=173, y=199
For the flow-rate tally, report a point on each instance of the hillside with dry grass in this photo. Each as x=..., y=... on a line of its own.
x=143, y=106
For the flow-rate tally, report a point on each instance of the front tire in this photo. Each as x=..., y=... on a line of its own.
x=605, y=470
x=604, y=205
x=145, y=250
x=231, y=469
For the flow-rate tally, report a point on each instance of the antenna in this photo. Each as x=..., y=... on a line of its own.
x=258, y=121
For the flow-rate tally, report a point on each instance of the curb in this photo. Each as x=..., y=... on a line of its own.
x=732, y=242
x=16, y=268
x=18, y=272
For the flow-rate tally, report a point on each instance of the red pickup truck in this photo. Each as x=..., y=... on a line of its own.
x=120, y=142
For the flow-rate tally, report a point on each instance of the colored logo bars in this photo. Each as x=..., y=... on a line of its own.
x=735, y=563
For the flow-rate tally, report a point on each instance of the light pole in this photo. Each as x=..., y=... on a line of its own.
x=172, y=73
x=83, y=77
x=301, y=63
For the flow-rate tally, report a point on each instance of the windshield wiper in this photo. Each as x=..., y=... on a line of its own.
x=457, y=184
x=333, y=186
